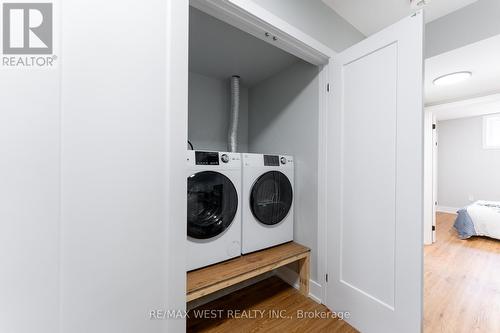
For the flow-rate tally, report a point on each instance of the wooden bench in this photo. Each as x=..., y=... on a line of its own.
x=210, y=279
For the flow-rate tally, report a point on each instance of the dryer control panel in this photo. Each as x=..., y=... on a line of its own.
x=206, y=158
x=271, y=161
x=275, y=160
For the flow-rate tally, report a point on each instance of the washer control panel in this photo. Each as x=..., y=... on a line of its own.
x=271, y=160
x=215, y=159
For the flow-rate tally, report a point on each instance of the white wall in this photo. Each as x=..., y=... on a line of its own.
x=464, y=167
x=317, y=20
x=90, y=236
x=465, y=26
x=209, y=110
x=283, y=119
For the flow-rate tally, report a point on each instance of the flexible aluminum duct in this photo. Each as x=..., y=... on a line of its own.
x=235, y=114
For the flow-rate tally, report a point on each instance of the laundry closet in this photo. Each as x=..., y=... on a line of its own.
x=278, y=109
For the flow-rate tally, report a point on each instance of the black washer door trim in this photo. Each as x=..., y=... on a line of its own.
x=271, y=197
x=212, y=203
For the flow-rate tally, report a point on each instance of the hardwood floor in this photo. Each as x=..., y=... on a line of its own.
x=461, y=294
x=280, y=305
x=462, y=282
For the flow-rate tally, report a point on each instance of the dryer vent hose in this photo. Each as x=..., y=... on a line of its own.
x=234, y=114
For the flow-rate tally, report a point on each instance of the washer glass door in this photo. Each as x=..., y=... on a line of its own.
x=212, y=202
x=271, y=198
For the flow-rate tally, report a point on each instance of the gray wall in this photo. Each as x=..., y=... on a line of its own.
x=209, y=106
x=464, y=167
x=220, y=50
x=470, y=24
x=283, y=118
x=317, y=20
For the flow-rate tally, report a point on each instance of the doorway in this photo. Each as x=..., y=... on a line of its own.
x=462, y=251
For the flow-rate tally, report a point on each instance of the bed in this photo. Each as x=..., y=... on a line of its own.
x=482, y=218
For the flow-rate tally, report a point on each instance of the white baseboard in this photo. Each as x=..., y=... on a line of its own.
x=291, y=277
x=446, y=209
x=315, y=291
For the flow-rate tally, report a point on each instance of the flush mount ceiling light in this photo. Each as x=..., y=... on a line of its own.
x=452, y=78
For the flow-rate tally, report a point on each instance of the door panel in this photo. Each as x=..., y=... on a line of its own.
x=365, y=176
x=375, y=181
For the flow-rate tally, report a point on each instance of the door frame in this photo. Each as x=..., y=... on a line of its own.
x=255, y=20
x=435, y=175
x=176, y=121
x=429, y=177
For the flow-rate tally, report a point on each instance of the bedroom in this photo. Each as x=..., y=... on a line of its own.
x=462, y=223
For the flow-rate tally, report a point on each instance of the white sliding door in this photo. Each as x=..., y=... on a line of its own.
x=375, y=181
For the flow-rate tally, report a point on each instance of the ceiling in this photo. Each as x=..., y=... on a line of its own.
x=468, y=108
x=374, y=15
x=481, y=58
x=219, y=50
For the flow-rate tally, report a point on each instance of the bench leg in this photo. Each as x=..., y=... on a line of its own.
x=304, y=276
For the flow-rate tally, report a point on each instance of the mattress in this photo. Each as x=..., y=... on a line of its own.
x=482, y=218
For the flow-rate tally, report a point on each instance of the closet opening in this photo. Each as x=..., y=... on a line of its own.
x=280, y=98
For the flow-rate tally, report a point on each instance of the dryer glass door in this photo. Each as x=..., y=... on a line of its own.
x=212, y=202
x=271, y=198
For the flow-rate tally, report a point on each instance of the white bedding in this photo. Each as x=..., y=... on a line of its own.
x=485, y=216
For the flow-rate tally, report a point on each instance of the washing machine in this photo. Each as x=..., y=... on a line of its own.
x=268, y=191
x=213, y=207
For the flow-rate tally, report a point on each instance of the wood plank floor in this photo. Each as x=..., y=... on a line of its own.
x=461, y=294
x=462, y=282
x=280, y=304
